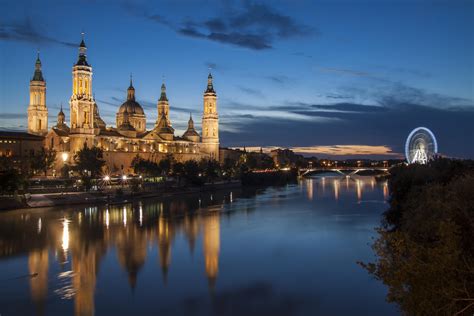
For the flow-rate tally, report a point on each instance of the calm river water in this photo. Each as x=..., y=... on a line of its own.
x=277, y=251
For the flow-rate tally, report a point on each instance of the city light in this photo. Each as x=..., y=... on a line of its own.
x=65, y=156
x=107, y=178
x=124, y=177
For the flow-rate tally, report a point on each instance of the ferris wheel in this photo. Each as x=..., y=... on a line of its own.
x=421, y=146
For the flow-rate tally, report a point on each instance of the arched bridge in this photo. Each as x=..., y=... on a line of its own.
x=345, y=171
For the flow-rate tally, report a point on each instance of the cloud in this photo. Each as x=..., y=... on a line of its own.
x=347, y=150
x=386, y=122
x=343, y=71
x=251, y=91
x=13, y=115
x=211, y=66
x=342, y=151
x=24, y=31
x=279, y=79
x=250, y=25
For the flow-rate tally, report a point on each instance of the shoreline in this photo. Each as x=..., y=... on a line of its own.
x=83, y=198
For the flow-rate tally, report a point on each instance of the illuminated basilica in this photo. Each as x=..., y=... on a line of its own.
x=129, y=137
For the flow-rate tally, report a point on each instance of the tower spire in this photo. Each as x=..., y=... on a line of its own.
x=38, y=74
x=82, y=60
x=163, y=96
x=131, y=90
x=210, y=86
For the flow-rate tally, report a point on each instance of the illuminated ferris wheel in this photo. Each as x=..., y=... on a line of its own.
x=421, y=146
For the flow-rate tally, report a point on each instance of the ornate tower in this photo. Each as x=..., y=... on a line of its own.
x=210, y=122
x=82, y=103
x=37, y=110
x=163, y=106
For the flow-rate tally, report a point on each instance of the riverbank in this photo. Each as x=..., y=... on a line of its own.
x=109, y=197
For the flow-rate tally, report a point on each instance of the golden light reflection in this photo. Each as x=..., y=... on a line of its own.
x=336, y=189
x=140, y=218
x=107, y=218
x=65, y=237
x=38, y=263
x=39, y=225
x=124, y=216
x=385, y=190
x=211, y=246
x=359, y=185
x=309, y=189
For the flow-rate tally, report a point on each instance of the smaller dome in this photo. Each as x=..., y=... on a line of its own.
x=131, y=107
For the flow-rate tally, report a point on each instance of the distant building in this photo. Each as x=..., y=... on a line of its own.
x=19, y=146
x=229, y=153
x=287, y=158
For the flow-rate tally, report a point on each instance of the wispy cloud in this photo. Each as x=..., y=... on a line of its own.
x=279, y=79
x=347, y=150
x=332, y=150
x=24, y=31
x=250, y=25
x=343, y=71
x=251, y=91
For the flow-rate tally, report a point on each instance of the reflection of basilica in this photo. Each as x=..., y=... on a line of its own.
x=80, y=241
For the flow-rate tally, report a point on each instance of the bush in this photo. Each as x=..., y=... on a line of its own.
x=425, y=253
x=119, y=192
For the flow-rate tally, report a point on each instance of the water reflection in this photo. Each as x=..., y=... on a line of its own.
x=357, y=184
x=71, y=247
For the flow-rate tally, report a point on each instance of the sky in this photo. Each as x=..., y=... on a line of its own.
x=326, y=78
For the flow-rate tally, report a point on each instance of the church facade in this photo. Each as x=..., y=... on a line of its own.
x=130, y=137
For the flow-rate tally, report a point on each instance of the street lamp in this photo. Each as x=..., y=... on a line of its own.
x=65, y=156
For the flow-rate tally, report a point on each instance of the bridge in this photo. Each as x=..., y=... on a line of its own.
x=343, y=171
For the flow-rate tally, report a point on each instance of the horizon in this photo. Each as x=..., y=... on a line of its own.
x=287, y=75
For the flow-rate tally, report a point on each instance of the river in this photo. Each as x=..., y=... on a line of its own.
x=288, y=250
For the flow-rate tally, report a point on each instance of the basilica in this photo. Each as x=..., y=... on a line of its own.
x=130, y=136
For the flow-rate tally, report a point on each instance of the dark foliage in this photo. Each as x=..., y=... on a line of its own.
x=43, y=160
x=425, y=253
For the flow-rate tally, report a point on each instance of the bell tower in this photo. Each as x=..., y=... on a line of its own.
x=37, y=110
x=210, y=122
x=82, y=102
x=163, y=106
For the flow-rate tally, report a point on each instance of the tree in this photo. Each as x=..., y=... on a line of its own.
x=11, y=181
x=229, y=168
x=89, y=163
x=43, y=160
x=145, y=167
x=166, y=164
x=191, y=172
x=178, y=170
x=6, y=163
x=211, y=169
x=425, y=253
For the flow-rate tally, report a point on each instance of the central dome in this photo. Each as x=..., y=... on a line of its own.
x=131, y=107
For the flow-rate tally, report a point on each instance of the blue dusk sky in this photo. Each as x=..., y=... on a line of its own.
x=338, y=78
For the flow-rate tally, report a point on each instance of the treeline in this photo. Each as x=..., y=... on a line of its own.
x=425, y=248
x=13, y=178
